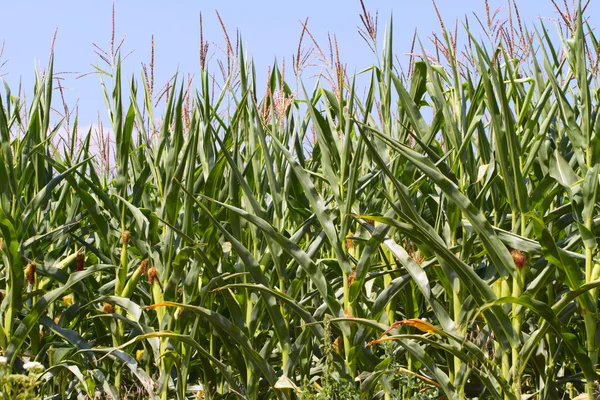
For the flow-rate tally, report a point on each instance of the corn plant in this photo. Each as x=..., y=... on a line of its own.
x=434, y=236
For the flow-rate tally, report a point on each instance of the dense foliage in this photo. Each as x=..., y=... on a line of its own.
x=434, y=236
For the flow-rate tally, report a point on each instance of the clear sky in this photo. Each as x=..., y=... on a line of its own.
x=269, y=29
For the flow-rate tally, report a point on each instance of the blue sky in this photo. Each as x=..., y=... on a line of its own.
x=269, y=29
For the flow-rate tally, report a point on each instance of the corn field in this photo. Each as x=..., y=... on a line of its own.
x=430, y=235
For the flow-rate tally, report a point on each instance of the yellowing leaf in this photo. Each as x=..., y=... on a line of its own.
x=414, y=322
x=421, y=325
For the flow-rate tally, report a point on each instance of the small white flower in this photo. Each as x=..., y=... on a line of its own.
x=33, y=366
x=3, y=360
